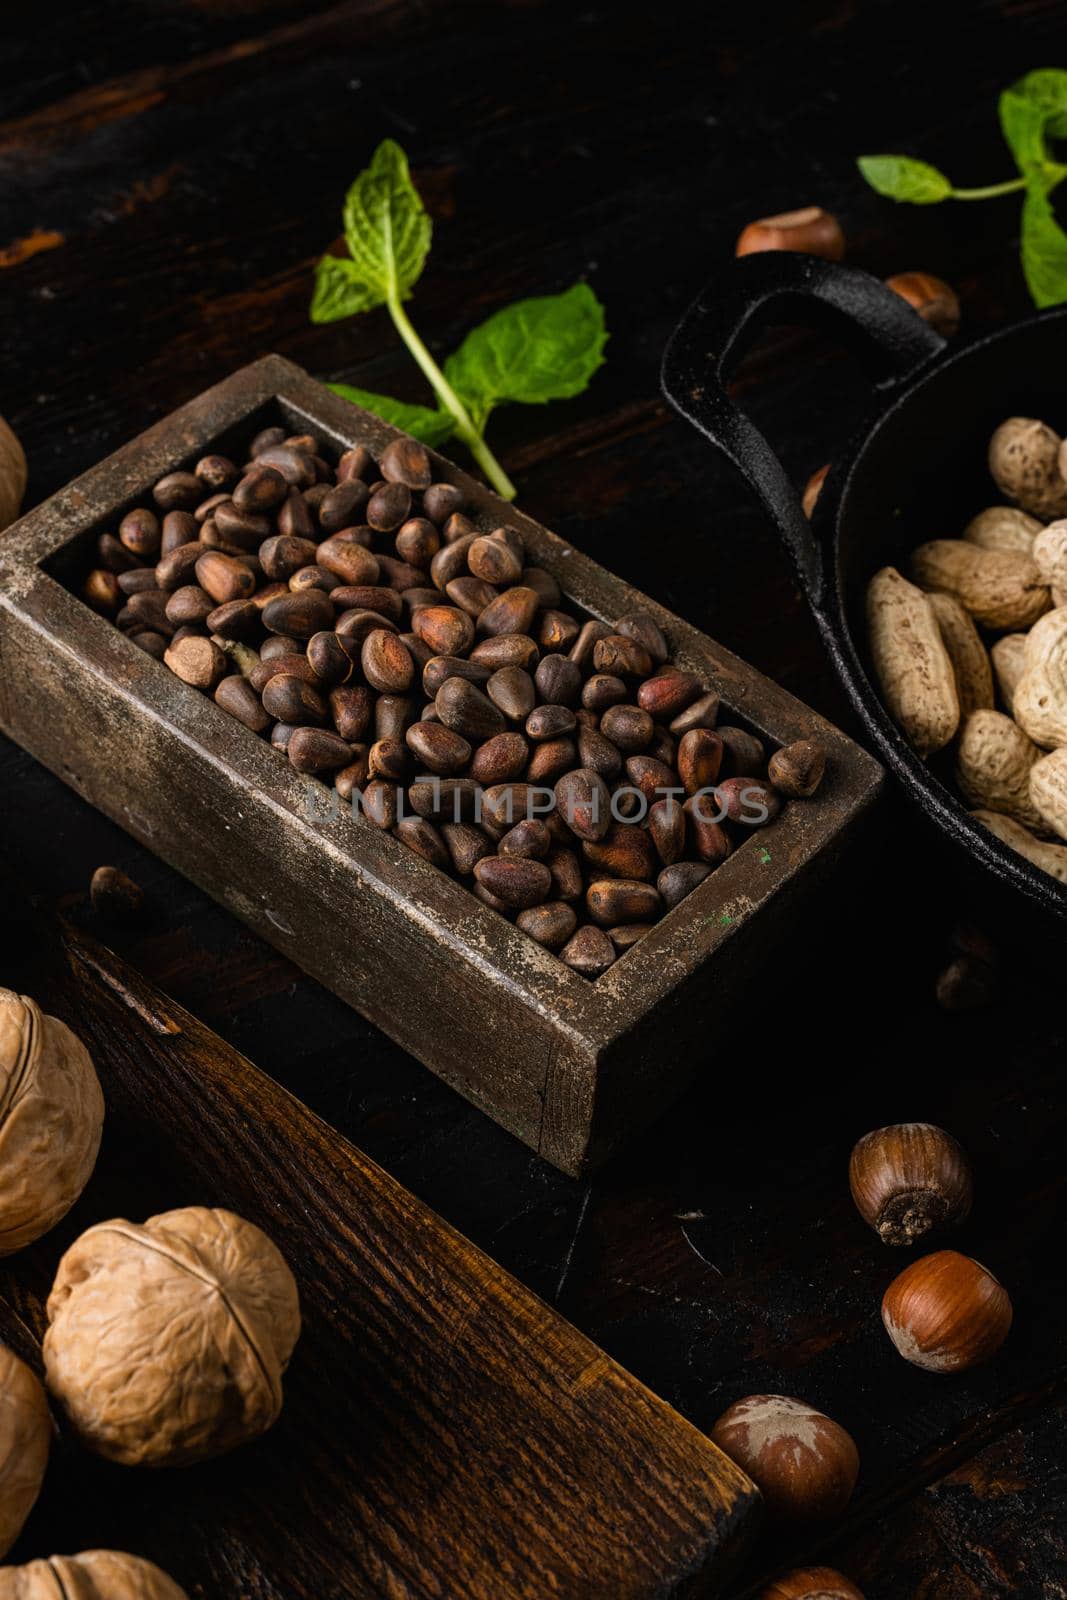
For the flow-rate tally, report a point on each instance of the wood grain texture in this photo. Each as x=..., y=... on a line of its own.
x=445, y=1434
x=995, y=1526
x=552, y=142
x=567, y=1065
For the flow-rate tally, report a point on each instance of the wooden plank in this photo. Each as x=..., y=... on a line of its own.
x=444, y=1434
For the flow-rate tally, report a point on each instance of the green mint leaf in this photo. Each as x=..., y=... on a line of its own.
x=903, y=178
x=1023, y=121
x=339, y=290
x=431, y=427
x=386, y=226
x=534, y=351
x=1044, y=249
x=388, y=236
x=1046, y=88
x=1032, y=111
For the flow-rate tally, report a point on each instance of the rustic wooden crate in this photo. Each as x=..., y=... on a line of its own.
x=572, y=1067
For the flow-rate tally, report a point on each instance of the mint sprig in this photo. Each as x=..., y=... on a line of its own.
x=1031, y=111
x=431, y=427
x=903, y=178
x=530, y=352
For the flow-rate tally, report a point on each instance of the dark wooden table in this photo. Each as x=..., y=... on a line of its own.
x=168, y=176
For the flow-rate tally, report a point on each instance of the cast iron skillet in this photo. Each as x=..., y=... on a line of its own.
x=915, y=470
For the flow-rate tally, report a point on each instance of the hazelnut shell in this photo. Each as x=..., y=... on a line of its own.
x=909, y=1178
x=946, y=1312
x=811, y=1583
x=809, y=229
x=804, y=1464
x=935, y=300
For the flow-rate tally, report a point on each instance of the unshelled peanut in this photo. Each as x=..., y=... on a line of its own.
x=1003, y=528
x=911, y=663
x=999, y=588
x=1039, y=703
x=1048, y=791
x=1008, y=655
x=1024, y=459
x=969, y=656
x=1051, y=858
x=993, y=762
x=1050, y=553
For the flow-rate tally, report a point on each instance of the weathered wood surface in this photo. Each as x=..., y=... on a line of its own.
x=992, y=1526
x=444, y=1432
x=193, y=158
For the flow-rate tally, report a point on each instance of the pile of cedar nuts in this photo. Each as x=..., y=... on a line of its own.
x=359, y=619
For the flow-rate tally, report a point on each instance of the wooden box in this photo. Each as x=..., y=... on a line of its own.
x=570, y=1066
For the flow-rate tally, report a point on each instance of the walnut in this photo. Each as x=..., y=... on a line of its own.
x=51, y=1117
x=25, y=1435
x=94, y=1575
x=167, y=1343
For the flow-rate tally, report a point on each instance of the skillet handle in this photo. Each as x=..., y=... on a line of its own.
x=706, y=345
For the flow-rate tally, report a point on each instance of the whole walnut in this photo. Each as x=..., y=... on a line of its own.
x=167, y=1343
x=25, y=1435
x=51, y=1118
x=94, y=1575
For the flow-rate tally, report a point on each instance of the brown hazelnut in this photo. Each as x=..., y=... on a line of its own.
x=797, y=769
x=966, y=983
x=811, y=230
x=946, y=1312
x=804, y=1464
x=25, y=1435
x=936, y=301
x=909, y=1178
x=115, y=896
x=167, y=1342
x=51, y=1119
x=813, y=489
x=811, y=1583
x=94, y=1575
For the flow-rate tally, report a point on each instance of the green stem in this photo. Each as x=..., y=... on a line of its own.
x=451, y=401
x=991, y=190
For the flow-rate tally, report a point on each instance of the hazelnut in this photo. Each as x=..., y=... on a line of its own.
x=25, y=1435
x=804, y=1464
x=909, y=1178
x=167, y=1343
x=94, y=1575
x=797, y=769
x=51, y=1119
x=813, y=489
x=115, y=896
x=946, y=1312
x=966, y=984
x=936, y=301
x=811, y=1583
x=811, y=230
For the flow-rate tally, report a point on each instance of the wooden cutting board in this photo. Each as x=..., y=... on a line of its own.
x=446, y=1436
